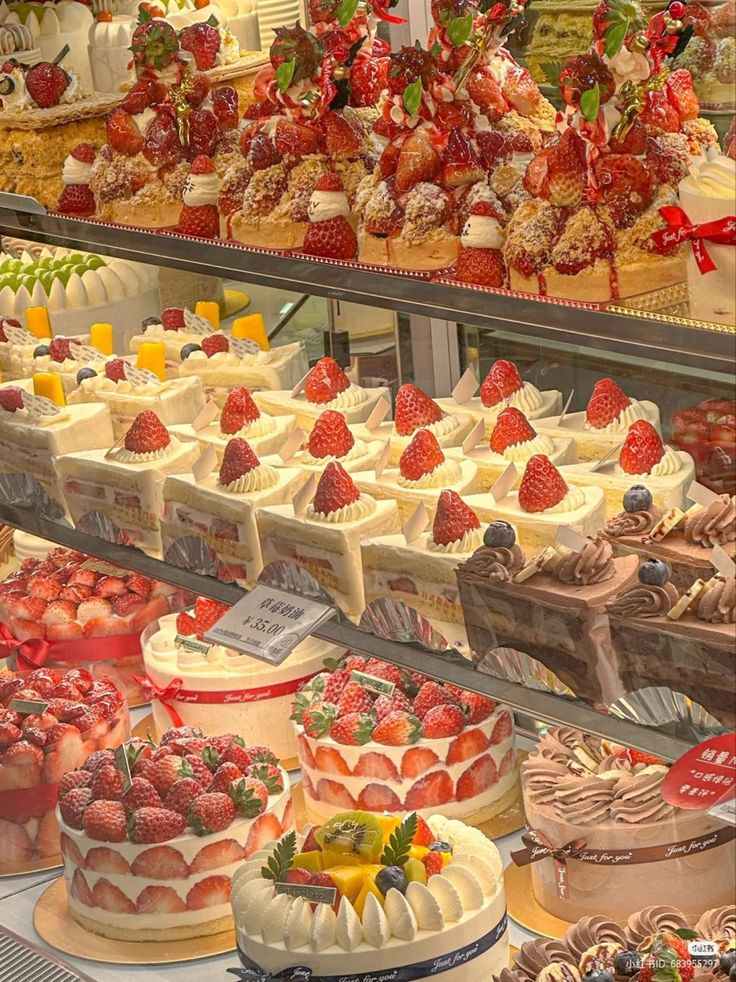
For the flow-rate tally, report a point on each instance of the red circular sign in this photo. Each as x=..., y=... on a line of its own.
x=704, y=775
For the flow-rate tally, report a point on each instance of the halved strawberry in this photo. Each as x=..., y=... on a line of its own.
x=430, y=791
x=418, y=161
x=417, y=760
x=335, y=793
x=378, y=798
x=566, y=171
x=213, y=891
x=479, y=777
x=542, y=485
x=330, y=760
x=159, y=900
x=216, y=855
x=80, y=888
x=376, y=765
x=105, y=860
x=642, y=448
x=503, y=728
x=111, y=898
x=469, y=744
x=512, y=427
x=460, y=164
x=264, y=830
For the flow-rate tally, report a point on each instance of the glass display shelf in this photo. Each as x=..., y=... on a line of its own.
x=633, y=330
x=668, y=742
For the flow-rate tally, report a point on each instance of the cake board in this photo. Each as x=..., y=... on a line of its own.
x=523, y=908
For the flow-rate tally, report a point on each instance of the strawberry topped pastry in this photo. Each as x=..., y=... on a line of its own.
x=149, y=854
x=74, y=715
x=61, y=606
x=627, y=130
x=44, y=85
x=375, y=737
x=330, y=235
x=325, y=537
x=603, y=424
x=175, y=328
x=326, y=386
x=76, y=196
x=210, y=44
x=199, y=216
x=480, y=260
x=118, y=491
x=332, y=439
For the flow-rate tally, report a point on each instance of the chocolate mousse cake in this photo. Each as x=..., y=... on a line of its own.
x=592, y=797
x=552, y=606
x=683, y=540
x=630, y=948
x=683, y=640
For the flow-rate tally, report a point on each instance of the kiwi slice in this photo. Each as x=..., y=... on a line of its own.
x=351, y=837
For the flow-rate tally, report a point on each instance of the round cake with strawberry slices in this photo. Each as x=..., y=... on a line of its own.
x=49, y=722
x=152, y=860
x=374, y=737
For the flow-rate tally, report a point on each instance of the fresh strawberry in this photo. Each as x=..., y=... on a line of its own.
x=159, y=862
x=422, y=456
x=216, y=855
x=123, y=134
x=430, y=695
x=155, y=824
x=642, y=448
x=269, y=775
x=384, y=670
x=126, y=603
x=330, y=436
x=520, y=89
x=325, y=381
x=73, y=805
x=566, y=171
x=162, y=773
x=161, y=144
x=512, y=427
x=429, y=791
x=239, y=409
x=486, y=93
x=75, y=592
x=335, y=490
x=159, y=900
x=480, y=776
x=110, y=586
x=607, y=402
x=354, y=699
x=104, y=860
x=341, y=137
x=94, y=608
x=142, y=95
x=452, y=520
x=80, y=889
x=476, y=707
x=443, y=721
x=105, y=820
x=98, y=759
x=11, y=397
x=353, y=729
x=46, y=587
x=223, y=777
x=107, y=783
x=198, y=90
x=389, y=704
x=104, y=627
x=542, y=485
x=397, y=729
x=181, y=795
x=377, y=766
x=212, y=343
x=493, y=147
x=111, y=898
x=206, y=613
x=213, y=891
x=432, y=864
x=235, y=754
x=331, y=238
x=211, y=813
x=185, y=624
x=501, y=382
x=503, y=728
x=264, y=830
x=154, y=43
x=335, y=684
x=200, y=222
x=470, y=743
x=248, y=794
x=414, y=409
x=140, y=794
x=679, y=90
x=237, y=460
x=318, y=719
x=204, y=132
x=368, y=78
x=225, y=107
x=482, y=266
x=203, y=41
x=625, y=186
x=77, y=199
x=460, y=164
x=378, y=798
x=667, y=959
x=146, y=434
x=335, y=793
x=659, y=113
x=46, y=83
x=418, y=161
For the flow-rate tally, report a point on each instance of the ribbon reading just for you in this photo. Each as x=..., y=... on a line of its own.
x=680, y=229
x=538, y=847
x=251, y=972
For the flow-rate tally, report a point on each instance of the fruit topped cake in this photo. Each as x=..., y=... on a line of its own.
x=153, y=859
x=174, y=327
x=331, y=439
x=79, y=715
x=652, y=943
x=37, y=87
x=577, y=787
x=418, y=745
x=399, y=897
x=326, y=386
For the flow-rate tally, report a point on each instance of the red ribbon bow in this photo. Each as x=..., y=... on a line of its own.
x=679, y=229
x=152, y=691
x=29, y=654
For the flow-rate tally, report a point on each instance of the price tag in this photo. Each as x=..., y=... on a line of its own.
x=599, y=464
x=474, y=437
x=28, y=707
x=383, y=459
x=106, y=569
x=379, y=413
x=184, y=643
x=466, y=387
x=123, y=765
x=705, y=776
x=292, y=443
x=565, y=408
x=316, y=895
x=373, y=684
x=268, y=623
x=504, y=483
x=205, y=416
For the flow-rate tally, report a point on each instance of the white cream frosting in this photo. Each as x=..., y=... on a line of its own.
x=354, y=395
x=75, y=171
x=261, y=426
x=358, y=449
x=712, y=177
x=364, y=506
x=261, y=477
x=623, y=421
x=527, y=399
x=324, y=205
x=124, y=456
x=482, y=232
x=444, y=474
x=540, y=443
x=469, y=542
x=669, y=463
x=201, y=189
x=441, y=428
x=229, y=48
x=574, y=499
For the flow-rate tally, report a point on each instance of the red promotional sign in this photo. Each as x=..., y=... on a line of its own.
x=704, y=775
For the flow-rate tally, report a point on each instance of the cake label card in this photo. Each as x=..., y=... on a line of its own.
x=379, y=413
x=19, y=335
x=106, y=569
x=206, y=415
x=383, y=459
x=140, y=376
x=196, y=324
x=205, y=463
x=466, y=387
x=28, y=707
x=600, y=464
x=243, y=347
x=182, y=642
x=381, y=687
x=39, y=405
x=85, y=353
x=504, y=484
x=723, y=562
x=299, y=387
x=314, y=894
x=474, y=437
x=701, y=495
x=417, y=523
x=704, y=776
x=292, y=443
x=571, y=539
x=269, y=623
x=724, y=811
x=565, y=408
x=123, y=765
x=304, y=495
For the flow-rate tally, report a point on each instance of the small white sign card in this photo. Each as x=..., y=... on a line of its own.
x=466, y=387
x=701, y=495
x=565, y=407
x=571, y=539
x=599, y=464
x=292, y=443
x=379, y=413
x=304, y=495
x=299, y=387
x=206, y=415
x=416, y=524
x=504, y=483
x=474, y=437
x=205, y=463
x=723, y=562
x=383, y=459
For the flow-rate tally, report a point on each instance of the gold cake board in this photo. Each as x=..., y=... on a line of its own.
x=55, y=925
x=524, y=909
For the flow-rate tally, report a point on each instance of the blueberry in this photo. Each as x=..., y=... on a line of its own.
x=637, y=498
x=627, y=963
x=392, y=876
x=654, y=572
x=499, y=535
x=439, y=845
x=148, y=321
x=598, y=975
x=728, y=960
x=40, y=350
x=84, y=373
x=187, y=350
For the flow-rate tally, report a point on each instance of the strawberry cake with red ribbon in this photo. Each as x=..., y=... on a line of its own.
x=374, y=737
x=150, y=849
x=49, y=722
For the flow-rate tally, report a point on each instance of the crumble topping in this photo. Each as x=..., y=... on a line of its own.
x=505, y=180
x=351, y=173
x=530, y=237
x=426, y=210
x=512, y=123
x=583, y=241
x=632, y=242
x=701, y=134
x=264, y=191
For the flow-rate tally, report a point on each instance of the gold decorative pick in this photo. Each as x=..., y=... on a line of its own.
x=181, y=106
x=633, y=100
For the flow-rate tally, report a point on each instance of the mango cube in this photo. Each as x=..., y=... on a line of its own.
x=348, y=879
x=311, y=860
x=368, y=887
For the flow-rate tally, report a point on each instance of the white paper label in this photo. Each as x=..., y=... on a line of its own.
x=196, y=324
x=379, y=413
x=466, y=387
x=383, y=459
x=474, y=437
x=304, y=495
x=268, y=623
x=85, y=353
x=606, y=457
x=39, y=405
x=571, y=539
x=504, y=484
x=723, y=562
x=724, y=811
x=140, y=376
x=205, y=416
x=701, y=495
x=417, y=523
x=205, y=463
x=244, y=347
x=299, y=387
x=565, y=408
x=19, y=335
x=292, y=443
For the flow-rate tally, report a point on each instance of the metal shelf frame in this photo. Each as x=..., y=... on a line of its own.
x=447, y=666
x=655, y=337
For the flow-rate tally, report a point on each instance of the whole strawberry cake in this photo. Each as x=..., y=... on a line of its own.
x=152, y=860
x=375, y=737
x=74, y=715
